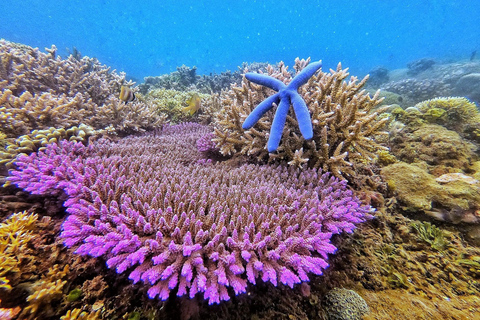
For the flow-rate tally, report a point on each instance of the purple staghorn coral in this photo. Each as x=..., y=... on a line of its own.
x=146, y=206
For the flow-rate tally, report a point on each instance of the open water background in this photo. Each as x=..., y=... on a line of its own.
x=149, y=38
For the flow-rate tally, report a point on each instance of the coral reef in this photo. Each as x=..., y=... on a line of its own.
x=440, y=79
x=378, y=76
x=197, y=229
x=468, y=86
x=416, y=90
x=186, y=79
x=418, y=66
x=343, y=117
x=40, y=90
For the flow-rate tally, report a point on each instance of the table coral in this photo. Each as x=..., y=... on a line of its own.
x=178, y=225
x=343, y=118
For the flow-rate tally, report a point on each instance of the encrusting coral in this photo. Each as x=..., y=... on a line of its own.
x=175, y=221
x=343, y=117
x=417, y=190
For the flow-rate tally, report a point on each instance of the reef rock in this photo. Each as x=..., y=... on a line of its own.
x=434, y=145
x=416, y=190
x=469, y=86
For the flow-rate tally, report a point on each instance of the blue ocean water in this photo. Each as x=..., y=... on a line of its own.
x=149, y=38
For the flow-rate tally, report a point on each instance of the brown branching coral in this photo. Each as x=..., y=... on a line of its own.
x=344, y=119
x=46, y=290
x=41, y=90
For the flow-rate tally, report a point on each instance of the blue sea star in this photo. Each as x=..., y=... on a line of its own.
x=284, y=96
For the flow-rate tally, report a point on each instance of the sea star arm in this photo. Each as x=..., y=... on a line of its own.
x=278, y=123
x=304, y=75
x=303, y=115
x=260, y=110
x=266, y=81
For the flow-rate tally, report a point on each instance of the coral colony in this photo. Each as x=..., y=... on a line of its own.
x=184, y=227
x=285, y=95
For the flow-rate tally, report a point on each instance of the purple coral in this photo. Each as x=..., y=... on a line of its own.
x=147, y=207
x=205, y=143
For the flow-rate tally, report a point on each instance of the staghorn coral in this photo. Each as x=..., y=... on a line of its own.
x=344, y=122
x=18, y=115
x=175, y=224
x=286, y=95
x=40, y=90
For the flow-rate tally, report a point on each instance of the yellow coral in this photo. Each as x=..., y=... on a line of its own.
x=46, y=290
x=38, y=139
x=15, y=233
x=453, y=112
x=173, y=103
x=77, y=314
